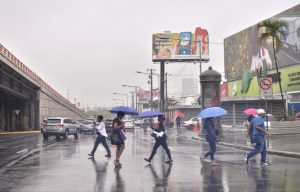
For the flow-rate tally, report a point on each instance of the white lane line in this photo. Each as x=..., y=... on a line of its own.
x=38, y=145
x=23, y=151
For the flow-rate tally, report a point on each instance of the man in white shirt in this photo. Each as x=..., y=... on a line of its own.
x=101, y=137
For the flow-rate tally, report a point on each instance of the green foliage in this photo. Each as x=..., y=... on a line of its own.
x=274, y=29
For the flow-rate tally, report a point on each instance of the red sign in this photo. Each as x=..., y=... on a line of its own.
x=224, y=90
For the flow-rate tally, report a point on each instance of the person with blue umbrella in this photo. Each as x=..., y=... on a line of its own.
x=210, y=135
x=118, y=136
x=208, y=115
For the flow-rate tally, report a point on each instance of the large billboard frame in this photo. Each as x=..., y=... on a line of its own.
x=180, y=47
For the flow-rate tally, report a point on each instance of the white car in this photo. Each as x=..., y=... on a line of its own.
x=129, y=124
x=191, y=123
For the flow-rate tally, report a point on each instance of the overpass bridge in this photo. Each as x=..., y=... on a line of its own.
x=26, y=99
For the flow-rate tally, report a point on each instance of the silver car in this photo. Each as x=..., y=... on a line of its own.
x=86, y=126
x=59, y=126
x=129, y=124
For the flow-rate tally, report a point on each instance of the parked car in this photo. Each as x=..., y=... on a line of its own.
x=59, y=126
x=129, y=124
x=86, y=126
x=191, y=123
x=138, y=122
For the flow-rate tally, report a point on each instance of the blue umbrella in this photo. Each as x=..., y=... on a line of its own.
x=212, y=112
x=154, y=113
x=124, y=109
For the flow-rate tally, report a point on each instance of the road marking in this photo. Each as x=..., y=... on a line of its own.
x=23, y=151
x=38, y=145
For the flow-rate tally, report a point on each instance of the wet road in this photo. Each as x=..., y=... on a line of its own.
x=65, y=166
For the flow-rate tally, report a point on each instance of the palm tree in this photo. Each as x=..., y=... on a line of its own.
x=274, y=30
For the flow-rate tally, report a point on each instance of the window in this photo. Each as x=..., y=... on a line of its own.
x=68, y=121
x=53, y=121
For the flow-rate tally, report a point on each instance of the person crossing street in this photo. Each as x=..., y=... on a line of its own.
x=160, y=140
x=259, y=133
x=101, y=137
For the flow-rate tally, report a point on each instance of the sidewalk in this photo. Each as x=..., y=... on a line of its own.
x=281, y=145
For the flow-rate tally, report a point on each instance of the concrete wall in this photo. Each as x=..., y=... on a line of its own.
x=51, y=106
x=23, y=90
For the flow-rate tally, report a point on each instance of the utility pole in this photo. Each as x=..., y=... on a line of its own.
x=166, y=82
x=151, y=88
x=132, y=101
x=162, y=84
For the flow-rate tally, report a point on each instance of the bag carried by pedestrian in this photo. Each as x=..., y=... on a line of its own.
x=122, y=134
x=116, y=138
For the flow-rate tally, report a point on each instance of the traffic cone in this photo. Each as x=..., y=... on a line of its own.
x=197, y=127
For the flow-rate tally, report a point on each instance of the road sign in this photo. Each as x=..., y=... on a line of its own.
x=265, y=87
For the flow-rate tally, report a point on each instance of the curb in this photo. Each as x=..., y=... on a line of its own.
x=270, y=152
x=19, y=132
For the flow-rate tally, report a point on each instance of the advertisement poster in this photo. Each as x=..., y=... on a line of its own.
x=290, y=82
x=180, y=47
x=243, y=51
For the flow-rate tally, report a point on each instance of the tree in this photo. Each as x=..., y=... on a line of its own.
x=274, y=30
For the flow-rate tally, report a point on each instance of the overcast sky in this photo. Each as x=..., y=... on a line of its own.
x=89, y=48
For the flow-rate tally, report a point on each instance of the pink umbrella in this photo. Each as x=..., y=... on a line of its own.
x=250, y=111
x=179, y=115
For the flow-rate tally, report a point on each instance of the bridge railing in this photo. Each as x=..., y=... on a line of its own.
x=19, y=64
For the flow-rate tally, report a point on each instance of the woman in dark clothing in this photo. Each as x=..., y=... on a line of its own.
x=160, y=140
x=118, y=124
x=211, y=139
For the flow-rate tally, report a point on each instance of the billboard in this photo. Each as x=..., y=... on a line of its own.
x=243, y=52
x=180, y=47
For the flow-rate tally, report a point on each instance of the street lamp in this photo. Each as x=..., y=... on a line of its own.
x=122, y=94
x=135, y=88
x=151, y=84
x=119, y=100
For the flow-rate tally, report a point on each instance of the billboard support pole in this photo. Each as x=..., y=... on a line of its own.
x=200, y=57
x=162, y=85
x=151, y=88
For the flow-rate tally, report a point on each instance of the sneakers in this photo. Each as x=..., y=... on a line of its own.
x=169, y=161
x=148, y=160
x=91, y=154
x=118, y=164
x=246, y=159
x=214, y=163
x=265, y=164
x=108, y=155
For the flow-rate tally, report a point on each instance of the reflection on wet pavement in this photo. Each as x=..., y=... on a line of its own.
x=65, y=166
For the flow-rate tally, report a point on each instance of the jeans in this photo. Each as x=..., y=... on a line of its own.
x=178, y=128
x=101, y=139
x=260, y=147
x=163, y=143
x=212, y=145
